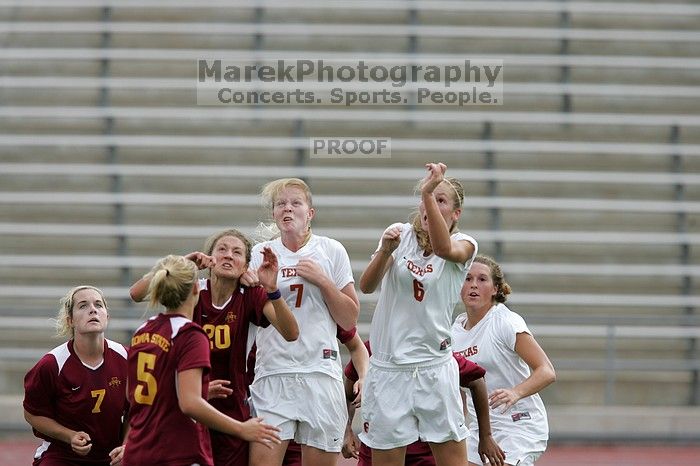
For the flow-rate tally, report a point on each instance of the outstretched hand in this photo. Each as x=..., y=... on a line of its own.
x=201, y=260
x=267, y=272
x=435, y=176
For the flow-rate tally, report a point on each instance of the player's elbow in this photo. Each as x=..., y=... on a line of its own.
x=188, y=405
x=549, y=374
x=367, y=287
x=29, y=418
x=135, y=295
x=291, y=334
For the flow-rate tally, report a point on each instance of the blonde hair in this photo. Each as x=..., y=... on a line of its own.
x=503, y=289
x=172, y=279
x=457, y=201
x=269, y=192
x=65, y=310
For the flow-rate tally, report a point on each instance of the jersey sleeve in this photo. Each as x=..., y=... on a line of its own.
x=193, y=349
x=255, y=256
x=459, y=236
x=255, y=299
x=344, y=336
x=342, y=270
x=468, y=371
x=509, y=328
x=39, y=386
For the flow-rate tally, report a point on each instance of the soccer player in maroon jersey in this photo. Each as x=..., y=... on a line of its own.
x=75, y=396
x=168, y=378
x=225, y=311
x=418, y=453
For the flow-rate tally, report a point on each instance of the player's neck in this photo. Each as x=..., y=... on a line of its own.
x=89, y=348
x=474, y=316
x=296, y=240
x=185, y=310
x=222, y=289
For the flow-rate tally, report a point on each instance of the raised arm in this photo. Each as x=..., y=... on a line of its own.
x=440, y=239
x=276, y=309
x=139, y=290
x=381, y=260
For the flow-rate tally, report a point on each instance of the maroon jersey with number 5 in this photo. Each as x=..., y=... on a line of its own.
x=161, y=434
x=82, y=398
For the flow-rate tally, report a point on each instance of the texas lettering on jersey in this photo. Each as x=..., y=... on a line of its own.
x=288, y=272
x=471, y=351
x=418, y=270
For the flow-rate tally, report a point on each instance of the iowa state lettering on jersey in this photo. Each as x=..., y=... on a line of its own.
x=471, y=351
x=155, y=339
x=418, y=270
x=288, y=272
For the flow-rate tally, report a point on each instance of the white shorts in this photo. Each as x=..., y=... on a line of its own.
x=402, y=405
x=309, y=408
x=520, y=451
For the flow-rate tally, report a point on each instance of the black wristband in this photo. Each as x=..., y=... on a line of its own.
x=277, y=294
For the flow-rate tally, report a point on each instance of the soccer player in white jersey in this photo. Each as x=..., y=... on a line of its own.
x=298, y=385
x=412, y=388
x=517, y=368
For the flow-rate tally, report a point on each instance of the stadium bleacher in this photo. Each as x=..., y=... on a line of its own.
x=585, y=183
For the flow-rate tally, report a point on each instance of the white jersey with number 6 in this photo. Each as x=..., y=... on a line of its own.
x=413, y=317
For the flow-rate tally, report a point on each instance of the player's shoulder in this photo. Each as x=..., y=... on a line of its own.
x=328, y=244
x=54, y=360
x=117, y=348
x=273, y=243
x=502, y=315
